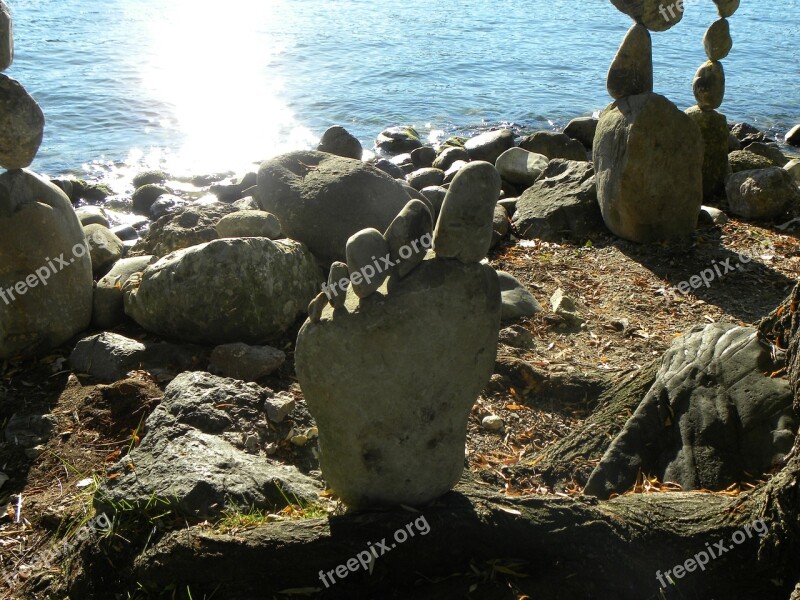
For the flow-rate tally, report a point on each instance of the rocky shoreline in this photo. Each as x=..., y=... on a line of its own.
x=373, y=278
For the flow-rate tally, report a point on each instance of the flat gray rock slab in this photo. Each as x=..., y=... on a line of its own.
x=713, y=416
x=203, y=452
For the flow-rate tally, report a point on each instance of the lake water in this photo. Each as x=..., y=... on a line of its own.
x=199, y=86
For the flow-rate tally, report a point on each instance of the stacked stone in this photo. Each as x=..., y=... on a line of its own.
x=390, y=376
x=41, y=305
x=21, y=119
x=647, y=153
x=463, y=232
x=709, y=91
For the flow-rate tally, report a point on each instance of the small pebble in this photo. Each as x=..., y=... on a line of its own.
x=492, y=423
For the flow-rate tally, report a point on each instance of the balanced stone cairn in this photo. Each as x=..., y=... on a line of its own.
x=45, y=267
x=391, y=364
x=709, y=91
x=648, y=154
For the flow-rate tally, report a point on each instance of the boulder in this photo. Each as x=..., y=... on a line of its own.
x=232, y=290
x=563, y=203
x=148, y=177
x=656, y=15
x=389, y=168
x=551, y=144
x=710, y=216
x=397, y=140
x=108, y=309
x=337, y=140
x=248, y=363
x=521, y=167
x=200, y=455
x=746, y=133
x=763, y=193
x=109, y=357
x=451, y=173
x=583, y=130
x=793, y=137
x=249, y=223
x=449, y=156
x=21, y=125
x=648, y=158
x=490, y=145
x=427, y=344
x=716, y=168
x=322, y=199
x=186, y=227
x=709, y=85
x=713, y=417
x=89, y=215
x=631, y=71
x=769, y=151
x=717, y=40
x=105, y=248
x=145, y=196
x=744, y=160
x=428, y=177
x=517, y=301
x=464, y=227
x=45, y=269
x=423, y=157
x=6, y=37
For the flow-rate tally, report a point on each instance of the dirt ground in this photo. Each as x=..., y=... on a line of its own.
x=621, y=291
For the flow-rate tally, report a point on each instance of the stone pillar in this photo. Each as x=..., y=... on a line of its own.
x=709, y=91
x=648, y=154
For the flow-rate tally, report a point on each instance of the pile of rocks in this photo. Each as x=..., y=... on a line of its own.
x=709, y=91
x=648, y=154
x=391, y=367
x=45, y=264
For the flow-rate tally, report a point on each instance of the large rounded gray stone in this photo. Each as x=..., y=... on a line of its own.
x=521, y=167
x=322, y=199
x=464, y=228
x=583, y=130
x=552, y=144
x=105, y=248
x=45, y=269
x=337, y=140
x=391, y=381
x=6, y=37
x=726, y=8
x=249, y=223
x=490, y=145
x=716, y=167
x=763, y=193
x=648, y=159
x=233, y=290
x=21, y=125
x=183, y=228
x=631, y=71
